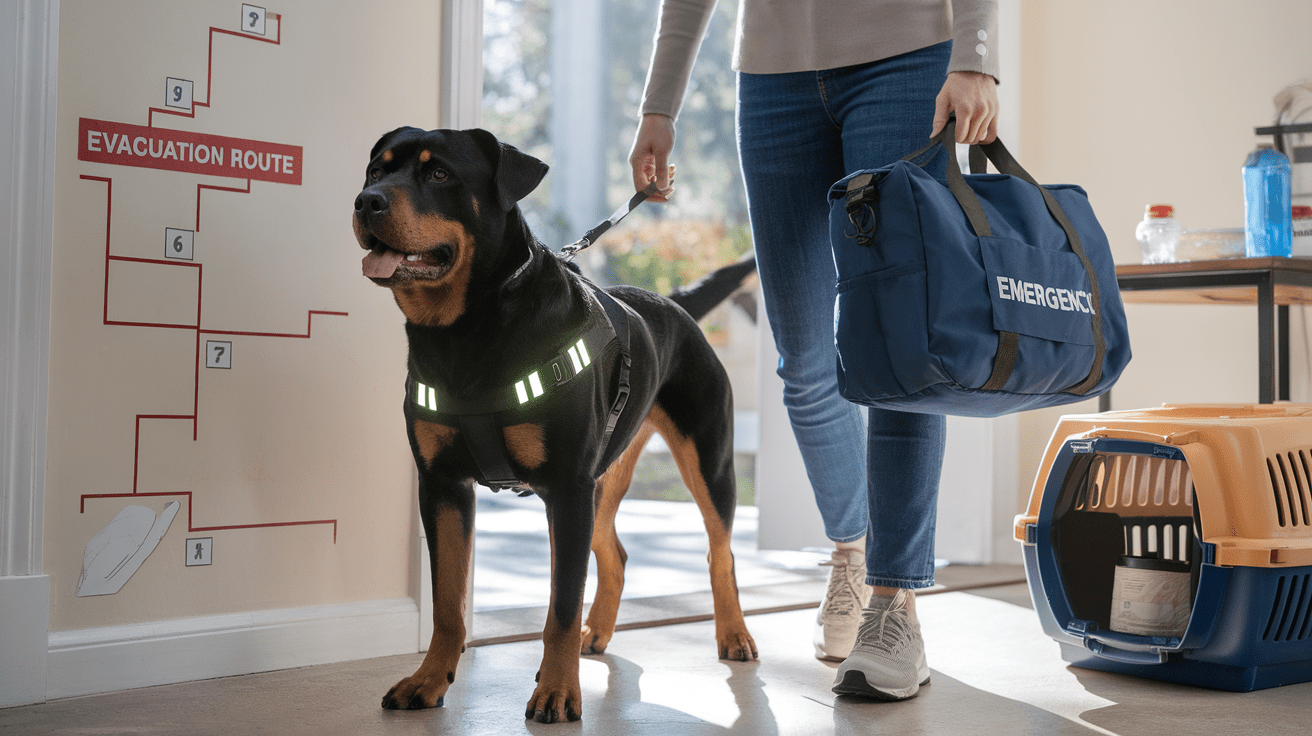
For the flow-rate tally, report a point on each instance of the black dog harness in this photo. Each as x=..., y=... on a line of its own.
x=481, y=418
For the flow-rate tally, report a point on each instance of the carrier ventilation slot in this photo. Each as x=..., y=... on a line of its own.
x=1291, y=487
x=1126, y=482
x=1158, y=539
x=1290, y=619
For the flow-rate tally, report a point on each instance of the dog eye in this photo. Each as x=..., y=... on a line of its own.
x=439, y=175
x=375, y=174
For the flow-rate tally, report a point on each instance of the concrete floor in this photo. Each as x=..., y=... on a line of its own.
x=993, y=670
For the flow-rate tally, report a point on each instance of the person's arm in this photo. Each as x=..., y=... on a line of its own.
x=972, y=73
x=678, y=38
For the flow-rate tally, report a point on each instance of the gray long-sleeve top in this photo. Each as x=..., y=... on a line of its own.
x=777, y=36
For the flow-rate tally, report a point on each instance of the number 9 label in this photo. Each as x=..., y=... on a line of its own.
x=177, y=93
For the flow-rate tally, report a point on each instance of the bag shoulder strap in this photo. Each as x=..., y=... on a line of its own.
x=970, y=204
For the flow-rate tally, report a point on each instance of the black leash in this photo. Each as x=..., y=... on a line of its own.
x=592, y=235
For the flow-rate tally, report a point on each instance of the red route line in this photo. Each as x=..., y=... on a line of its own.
x=192, y=528
x=309, y=320
x=194, y=416
x=209, y=72
x=199, y=187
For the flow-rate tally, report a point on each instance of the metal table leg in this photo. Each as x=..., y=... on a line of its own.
x=1266, y=343
x=1282, y=351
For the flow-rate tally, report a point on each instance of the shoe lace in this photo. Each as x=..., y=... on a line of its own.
x=887, y=630
x=841, y=596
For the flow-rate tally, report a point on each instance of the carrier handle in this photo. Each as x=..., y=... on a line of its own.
x=1107, y=651
x=1108, y=433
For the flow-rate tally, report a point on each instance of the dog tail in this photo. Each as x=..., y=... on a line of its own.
x=700, y=297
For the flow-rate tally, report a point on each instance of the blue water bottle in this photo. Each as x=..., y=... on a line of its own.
x=1268, y=223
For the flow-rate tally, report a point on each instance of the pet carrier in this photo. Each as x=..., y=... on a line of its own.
x=1176, y=543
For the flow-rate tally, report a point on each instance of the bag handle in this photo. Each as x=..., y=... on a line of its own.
x=1008, y=342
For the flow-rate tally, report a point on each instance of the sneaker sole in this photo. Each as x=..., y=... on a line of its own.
x=854, y=683
x=824, y=657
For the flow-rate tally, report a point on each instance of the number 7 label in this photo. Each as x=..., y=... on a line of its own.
x=252, y=19
x=218, y=354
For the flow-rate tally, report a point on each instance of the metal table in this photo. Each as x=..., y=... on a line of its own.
x=1270, y=283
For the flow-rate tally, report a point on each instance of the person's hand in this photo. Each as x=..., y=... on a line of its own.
x=650, y=156
x=974, y=98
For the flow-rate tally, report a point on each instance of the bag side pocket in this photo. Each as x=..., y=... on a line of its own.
x=882, y=334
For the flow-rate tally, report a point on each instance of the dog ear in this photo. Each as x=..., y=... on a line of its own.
x=517, y=173
x=386, y=139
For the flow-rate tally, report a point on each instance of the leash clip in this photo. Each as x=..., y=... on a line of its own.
x=573, y=249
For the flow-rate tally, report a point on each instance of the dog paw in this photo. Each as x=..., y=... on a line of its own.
x=415, y=693
x=555, y=705
x=737, y=646
x=593, y=643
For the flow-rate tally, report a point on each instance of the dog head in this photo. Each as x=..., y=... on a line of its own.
x=434, y=213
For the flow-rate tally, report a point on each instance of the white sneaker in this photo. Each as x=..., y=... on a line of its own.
x=839, y=616
x=888, y=660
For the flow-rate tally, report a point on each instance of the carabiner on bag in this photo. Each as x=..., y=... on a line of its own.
x=862, y=194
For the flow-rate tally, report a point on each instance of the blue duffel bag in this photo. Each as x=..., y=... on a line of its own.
x=985, y=296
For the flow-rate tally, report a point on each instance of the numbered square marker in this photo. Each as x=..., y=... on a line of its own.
x=252, y=19
x=200, y=551
x=218, y=354
x=177, y=93
x=177, y=243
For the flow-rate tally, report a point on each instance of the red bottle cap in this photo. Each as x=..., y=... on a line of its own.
x=1156, y=211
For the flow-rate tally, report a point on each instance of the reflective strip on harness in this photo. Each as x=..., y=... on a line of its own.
x=426, y=396
x=534, y=385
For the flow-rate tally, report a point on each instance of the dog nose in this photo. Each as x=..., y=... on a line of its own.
x=371, y=204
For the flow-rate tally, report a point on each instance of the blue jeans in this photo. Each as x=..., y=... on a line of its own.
x=798, y=133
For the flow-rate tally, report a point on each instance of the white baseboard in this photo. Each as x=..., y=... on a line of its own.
x=113, y=658
x=24, y=615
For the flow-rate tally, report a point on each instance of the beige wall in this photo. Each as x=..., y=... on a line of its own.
x=298, y=429
x=1148, y=101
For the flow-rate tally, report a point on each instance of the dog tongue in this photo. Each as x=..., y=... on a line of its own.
x=381, y=263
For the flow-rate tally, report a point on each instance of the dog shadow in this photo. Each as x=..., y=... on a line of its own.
x=623, y=708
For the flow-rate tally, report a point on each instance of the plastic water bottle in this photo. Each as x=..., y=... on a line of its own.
x=1268, y=226
x=1158, y=233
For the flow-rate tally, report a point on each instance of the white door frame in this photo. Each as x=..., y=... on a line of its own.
x=460, y=101
x=29, y=39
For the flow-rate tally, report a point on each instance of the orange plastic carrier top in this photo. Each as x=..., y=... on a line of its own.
x=1251, y=468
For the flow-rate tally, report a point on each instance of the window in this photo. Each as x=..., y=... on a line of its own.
x=563, y=81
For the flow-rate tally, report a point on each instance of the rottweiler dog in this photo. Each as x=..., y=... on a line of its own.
x=524, y=374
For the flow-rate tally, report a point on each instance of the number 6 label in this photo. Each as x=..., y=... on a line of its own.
x=178, y=243
x=218, y=354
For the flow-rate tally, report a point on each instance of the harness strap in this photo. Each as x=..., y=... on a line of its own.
x=619, y=320
x=480, y=421
x=434, y=399
x=486, y=443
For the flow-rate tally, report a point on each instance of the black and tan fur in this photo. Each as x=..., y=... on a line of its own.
x=476, y=320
